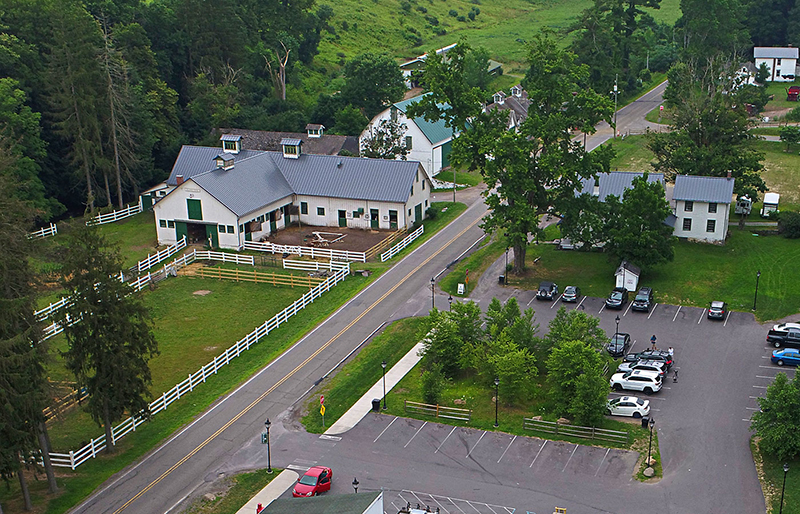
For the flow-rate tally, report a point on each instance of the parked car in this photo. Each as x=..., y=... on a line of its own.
x=648, y=382
x=617, y=299
x=619, y=344
x=717, y=310
x=790, y=356
x=648, y=365
x=643, y=300
x=316, y=480
x=789, y=338
x=657, y=355
x=628, y=406
x=786, y=326
x=547, y=291
x=571, y=294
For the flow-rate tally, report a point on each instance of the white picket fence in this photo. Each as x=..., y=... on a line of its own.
x=307, y=251
x=314, y=265
x=151, y=260
x=44, y=232
x=73, y=459
x=111, y=217
x=205, y=255
x=48, y=311
x=391, y=252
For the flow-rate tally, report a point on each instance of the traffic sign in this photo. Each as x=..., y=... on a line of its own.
x=661, y=108
x=322, y=410
x=321, y=399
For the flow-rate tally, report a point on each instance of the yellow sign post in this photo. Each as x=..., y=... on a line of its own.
x=322, y=411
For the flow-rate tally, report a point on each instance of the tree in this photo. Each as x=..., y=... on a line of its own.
x=710, y=27
x=751, y=94
x=372, y=81
x=762, y=74
x=442, y=346
x=577, y=384
x=385, y=141
x=638, y=232
x=575, y=325
x=109, y=348
x=507, y=319
x=514, y=366
x=476, y=69
x=789, y=224
x=584, y=221
x=768, y=21
x=777, y=422
x=349, y=121
x=790, y=135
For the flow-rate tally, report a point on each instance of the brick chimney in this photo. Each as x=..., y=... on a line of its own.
x=179, y=179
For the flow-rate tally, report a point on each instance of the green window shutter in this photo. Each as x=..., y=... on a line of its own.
x=195, y=209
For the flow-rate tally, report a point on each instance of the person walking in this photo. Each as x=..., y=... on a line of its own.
x=653, y=342
x=671, y=352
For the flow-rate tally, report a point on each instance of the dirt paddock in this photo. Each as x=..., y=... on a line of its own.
x=355, y=240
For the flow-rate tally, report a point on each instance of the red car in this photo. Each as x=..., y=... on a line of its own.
x=316, y=480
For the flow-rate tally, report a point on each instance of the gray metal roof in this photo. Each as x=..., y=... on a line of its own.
x=194, y=160
x=230, y=137
x=326, y=504
x=703, y=189
x=616, y=182
x=775, y=52
x=291, y=142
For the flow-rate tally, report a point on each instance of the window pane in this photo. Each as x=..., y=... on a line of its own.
x=711, y=225
x=320, y=211
x=688, y=206
x=162, y=223
x=687, y=223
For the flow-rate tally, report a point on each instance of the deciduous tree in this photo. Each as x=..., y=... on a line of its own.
x=577, y=384
x=371, y=82
x=777, y=422
x=385, y=141
x=575, y=325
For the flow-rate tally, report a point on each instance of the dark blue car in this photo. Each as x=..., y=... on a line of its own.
x=789, y=356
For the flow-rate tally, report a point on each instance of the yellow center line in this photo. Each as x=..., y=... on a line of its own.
x=291, y=373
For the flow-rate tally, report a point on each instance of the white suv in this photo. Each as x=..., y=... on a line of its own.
x=647, y=365
x=637, y=380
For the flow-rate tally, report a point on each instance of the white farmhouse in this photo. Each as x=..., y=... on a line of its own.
x=781, y=62
x=228, y=197
x=428, y=142
x=702, y=207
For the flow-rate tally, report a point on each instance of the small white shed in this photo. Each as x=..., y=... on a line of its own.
x=627, y=276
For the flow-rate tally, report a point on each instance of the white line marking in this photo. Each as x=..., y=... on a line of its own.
x=476, y=444
x=330, y=437
x=755, y=397
x=570, y=458
x=507, y=447
x=537, y=453
x=531, y=300
x=601, y=462
x=556, y=301
x=491, y=509
x=473, y=506
x=651, y=312
x=726, y=319
x=422, y=503
x=747, y=420
x=676, y=313
x=415, y=434
x=752, y=408
x=760, y=387
x=632, y=344
x=384, y=430
x=454, y=503
x=628, y=309
x=601, y=308
x=579, y=305
x=702, y=315
x=445, y=439
x=767, y=367
x=297, y=468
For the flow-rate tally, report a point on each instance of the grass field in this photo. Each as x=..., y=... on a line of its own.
x=778, y=90
x=772, y=482
x=241, y=488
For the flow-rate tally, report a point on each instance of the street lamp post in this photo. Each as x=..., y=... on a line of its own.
x=650, y=445
x=617, y=320
x=505, y=270
x=755, y=298
x=616, y=92
x=783, y=489
x=450, y=301
x=496, y=399
x=267, y=424
x=433, y=286
x=355, y=485
x=383, y=365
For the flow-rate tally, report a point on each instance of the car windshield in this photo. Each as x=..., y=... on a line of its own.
x=639, y=401
x=641, y=297
x=569, y=290
x=308, y=480
x=614, y=402
x=616, y=295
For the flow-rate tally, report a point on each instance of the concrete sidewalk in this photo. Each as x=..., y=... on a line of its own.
x=273, y=490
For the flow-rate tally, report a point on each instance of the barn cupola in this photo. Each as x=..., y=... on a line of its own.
x=224, y=161
x=315, y=130
x=231, y=143
x=499, y=98
x=291, y=148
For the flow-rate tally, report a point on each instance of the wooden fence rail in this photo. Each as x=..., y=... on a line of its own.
x=438, y=411
x=386, y=243
x=259, y=277
x=552, y=427
x=385, y=256
x=307, y=251
x=151, y=260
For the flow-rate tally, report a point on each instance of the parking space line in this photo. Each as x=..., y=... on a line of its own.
x=456, y=506
x=617, y=395
x=556, y=301
x=537, y=453
x=601, y=462
x=570, y=458
x=491, y=509
x=676, y=313
x=578, y=306
x=760, y=387
x=652, y=311
x=748, y=420
x=702, y=315
x=726, y=319
x=752, y=408
x=601, y=308
x=531, y=300
x=764, y=376
x=507, y=447
x=445, y=439
x=476, y=444
x=767, y=367
x=755, y=397
x=626, y=310
x=418, y=498
x=415, y=434
x=632, y=345
x=473, y=506
x=384, y=430
x=439, y=504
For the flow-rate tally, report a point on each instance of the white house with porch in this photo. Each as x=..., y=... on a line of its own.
x=225, y=198
x=781, y=62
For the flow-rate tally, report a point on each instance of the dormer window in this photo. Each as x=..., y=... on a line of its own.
x=291, y=148
x=516, y=91
x=499, y=98
x=315, y=130
x=224, y=161
x=231, y=143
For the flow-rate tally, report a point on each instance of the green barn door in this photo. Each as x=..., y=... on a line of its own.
x=181, y=231
x=342, y=218
x=446, y=153
x=273, y=223
x=195, y=209
x=211, y=233
x=418, y=213
x=393, y=220
x=373, y=218
x=147, y=203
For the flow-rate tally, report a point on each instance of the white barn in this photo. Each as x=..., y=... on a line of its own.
x=781, y=62
x=226, y=198
x=702, y=206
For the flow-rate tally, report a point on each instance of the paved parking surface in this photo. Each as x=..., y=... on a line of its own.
x=439, y=504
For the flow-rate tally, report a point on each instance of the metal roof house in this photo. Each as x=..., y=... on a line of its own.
x=226, y=198
x=614, y=183
x=702, y=206
x=517, y=105
x=366, y=503
x=782, y=62
x=428, y=142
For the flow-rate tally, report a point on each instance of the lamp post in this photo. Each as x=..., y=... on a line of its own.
x=783, y=489
x=617, y=320
x=496, y=399
x=505, y=270
x=269, y=455
x=450, y=301
x=615, y=92
x=755, y=298
x=650, y=445
x=433, y=286
x=454, y=184
x=355, y=485
x=383, y=365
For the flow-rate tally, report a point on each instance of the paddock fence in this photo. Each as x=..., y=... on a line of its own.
x=552, y=427
x=438, y=411
x=44, y=232
x=306, y=251
x=402, y=244
x=111, y=217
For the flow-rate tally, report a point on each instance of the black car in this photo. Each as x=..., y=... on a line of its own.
x=619, y=344
x=717, y=310
x=617, y=299
x=571, y=294
x=652, y=355
x=788, y=338
x=547, y=291
x=643, y=300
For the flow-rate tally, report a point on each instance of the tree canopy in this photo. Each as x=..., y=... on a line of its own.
x=777, y=422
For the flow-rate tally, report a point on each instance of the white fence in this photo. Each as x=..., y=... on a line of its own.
x=203, y=255
x=44, y=232
x=111, y=217
x=73, y=459
x=314, y=265
x=48, y=311
x=391, y=252
x=151, y=260
x=307, y=251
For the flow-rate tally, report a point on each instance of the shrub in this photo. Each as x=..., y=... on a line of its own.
x=341, y=55
x=789, y=224
x=793, y=115
x=470, y=15
x=439, y=31
x=476, y=2
x=461, y=18
x=433, y=20
x=345, y=26
x=476, y=10
x=406, y=6
x=433, y=383
x=453, y=13
x=432, y=213
x=422, y=9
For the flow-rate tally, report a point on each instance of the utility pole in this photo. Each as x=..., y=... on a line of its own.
x=616, y=92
